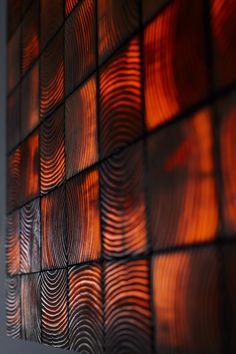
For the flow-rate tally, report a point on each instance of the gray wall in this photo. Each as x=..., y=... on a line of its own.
x=7, y=345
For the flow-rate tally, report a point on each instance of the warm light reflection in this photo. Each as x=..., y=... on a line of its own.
x=186, y=297
x=53, y=237
x=81, y=128
x=117, y=20
x=80, y=44
x=83, y=223
x=51, y=16
x=86, y=317
x=14, y=179
x=182, y=189
x=52, y=75
x=52, y=157
x=30, y=36
x=223, y=27
x=30, y=168
x=120, y=99
x=69, y=5
x=127, y=307
x=150, y=7
x=30, y=101
x=174, y=61
x=122, y=204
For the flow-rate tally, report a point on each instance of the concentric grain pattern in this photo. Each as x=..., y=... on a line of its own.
x=13, y=179
x=13, y=61
x=70, y=5
x=223, y=14
x=13, y=119
x=86, y=317
x=229, y=291
x=13, y=313
x=226, y=110
x=123, y=204
x=30, y=168
x=30, y=101
x=127, y=311
x=150, y=8
x=80, y=44
x=117, y=20
x=182, y=190
x=30, y=237
x=81, y=128
x=31, y=307
x=52, y=154
x=13, y=244
x=174, y=61
x=83, y=222
x=52, y=75
x=54, y=308
x=120, y=99
x=186, y=297
x=30, y=36
x=51, y=13
x=53, y=236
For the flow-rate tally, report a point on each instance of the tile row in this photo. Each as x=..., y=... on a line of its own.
x=173, y=196
x=175, y=62
x=109, y=308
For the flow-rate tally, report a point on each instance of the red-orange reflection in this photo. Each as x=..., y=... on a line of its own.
x=52, y=157
x=122, y=203
x=127, y=307
x=69, y=5
x=81, y=128
x=223, y=25
x=52, y=75
x=227, y=111
x=86, y=309
x=187, y=303
x=30, y=36
x=53, y=224
x=174, y=60
x=151, y=7
x=117, y=20
x=13, y=244
x=83, y=222
x=80, y=44
x=13, y=179
x=30, y=101
x=181, y=185
x=120, y=99
x=30, y=168
x=51, y=17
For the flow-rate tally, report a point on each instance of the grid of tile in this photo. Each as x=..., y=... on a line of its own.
x=121, y=179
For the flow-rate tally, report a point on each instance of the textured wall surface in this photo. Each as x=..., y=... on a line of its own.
x=121, y=178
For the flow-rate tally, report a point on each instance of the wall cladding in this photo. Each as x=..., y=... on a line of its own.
x=121, y=178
